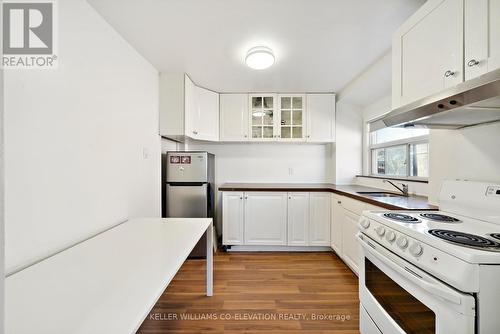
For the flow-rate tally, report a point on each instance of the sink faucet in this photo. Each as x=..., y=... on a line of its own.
x=404, y=190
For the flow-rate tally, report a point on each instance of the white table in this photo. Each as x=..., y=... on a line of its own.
x=107, y=284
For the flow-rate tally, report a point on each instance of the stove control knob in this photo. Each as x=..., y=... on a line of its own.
x=402, y=242
x=380, y=231
x=416, y=249
x=365, y=223
x=390, y=236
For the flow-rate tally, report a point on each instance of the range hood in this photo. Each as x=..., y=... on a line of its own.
x=476, y=101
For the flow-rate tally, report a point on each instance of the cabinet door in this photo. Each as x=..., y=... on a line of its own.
x=482, y=37
x=428, y=51
x=292, y=120
x=336, y=225
x=265, y=218
x=262, y=117
x=233, y=117
x=207, y=120
x=350, y=246
x=232, y=218
x=190, y=108
x=320, y=118
x=319, y=221
x=298, y=219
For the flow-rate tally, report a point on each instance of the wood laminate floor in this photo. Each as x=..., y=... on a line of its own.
x=260, y=293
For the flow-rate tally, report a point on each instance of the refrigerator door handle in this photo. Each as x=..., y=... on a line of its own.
x=186, y=184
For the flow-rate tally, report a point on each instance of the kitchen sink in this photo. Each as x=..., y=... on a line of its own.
x=379, y=194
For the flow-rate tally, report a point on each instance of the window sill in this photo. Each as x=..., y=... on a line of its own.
x=408, y=179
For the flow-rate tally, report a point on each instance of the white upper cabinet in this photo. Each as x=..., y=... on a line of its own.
x=428, y=51
x=298, y=219
x=187, y=110
x=482, y=37
x=292, y=120
x=263, y=117
x=206, y=122
x=191, y=108
x=319, y=219
x=320, y=118
x=234, y=117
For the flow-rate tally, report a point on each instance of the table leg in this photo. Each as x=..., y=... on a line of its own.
x=210, y=255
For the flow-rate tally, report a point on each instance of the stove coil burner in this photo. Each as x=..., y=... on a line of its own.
x=439, y=217
x=400, y=217
x=466, y=239
x=495, y=235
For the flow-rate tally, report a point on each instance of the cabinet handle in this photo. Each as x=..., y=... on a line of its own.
x=472, y=63
x=448, y=73
x=339, y=202
x=195, y=132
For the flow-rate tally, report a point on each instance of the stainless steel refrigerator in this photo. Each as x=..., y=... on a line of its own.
x=189, y=191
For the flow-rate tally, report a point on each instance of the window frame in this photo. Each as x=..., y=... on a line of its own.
x=400, y=142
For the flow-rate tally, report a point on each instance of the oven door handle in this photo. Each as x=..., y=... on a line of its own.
x=411, y=274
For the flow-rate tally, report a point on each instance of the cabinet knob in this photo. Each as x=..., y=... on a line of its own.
x=339, y=202
x=449, y=73
x=246, y=136
x=195, y=132
x=308, y=136
x=241, y=197
x=472, y=63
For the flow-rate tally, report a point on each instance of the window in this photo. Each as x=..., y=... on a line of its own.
x=400, y=152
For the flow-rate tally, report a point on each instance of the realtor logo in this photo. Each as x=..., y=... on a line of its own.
x=28, y=34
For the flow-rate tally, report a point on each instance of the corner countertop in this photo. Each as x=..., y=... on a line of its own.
x=412, y=202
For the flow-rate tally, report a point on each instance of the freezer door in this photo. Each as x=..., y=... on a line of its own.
x=187, y=201
x=187, y=167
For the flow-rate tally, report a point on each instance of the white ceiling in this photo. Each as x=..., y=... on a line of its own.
x=320, y=45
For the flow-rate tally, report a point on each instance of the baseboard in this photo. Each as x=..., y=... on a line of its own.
x=259, y=248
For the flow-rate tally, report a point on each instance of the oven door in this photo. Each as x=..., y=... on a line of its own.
x=399, y=298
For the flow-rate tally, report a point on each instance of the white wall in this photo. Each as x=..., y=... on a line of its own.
x=348, y=143
x=471, y=153
x=74, y=140
x=2, y=235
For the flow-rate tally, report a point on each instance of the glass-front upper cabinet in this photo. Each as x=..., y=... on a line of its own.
x=291, y=113
x=263, y=118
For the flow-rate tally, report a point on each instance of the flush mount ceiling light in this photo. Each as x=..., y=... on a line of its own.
x=259, y=58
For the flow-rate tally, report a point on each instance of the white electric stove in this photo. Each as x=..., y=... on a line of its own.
x=433, y=271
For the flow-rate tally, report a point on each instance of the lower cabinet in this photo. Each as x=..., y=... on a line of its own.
x=350, y=246
x=298, y=219
x=337, y=214
x=319, y=219
x=233, y=213
x=265, y=218
x=344, y=228
x=276, y=218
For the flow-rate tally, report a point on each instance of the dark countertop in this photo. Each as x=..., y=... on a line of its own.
x=412, y=202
